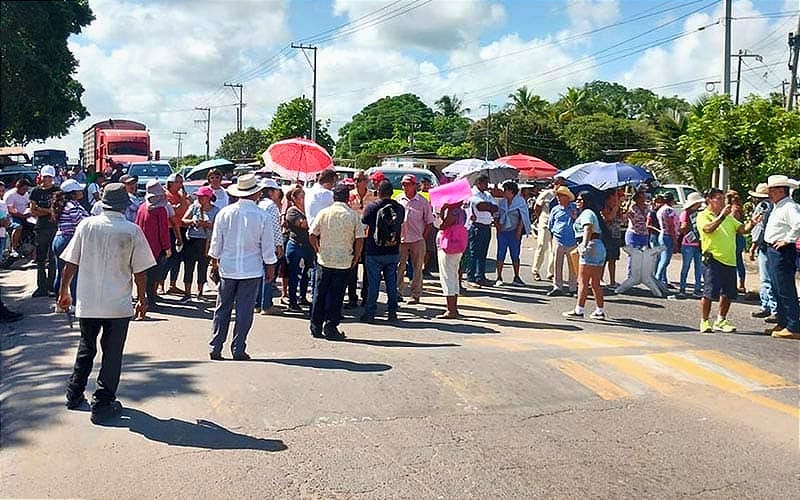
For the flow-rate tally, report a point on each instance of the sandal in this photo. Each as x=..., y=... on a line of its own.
x=447, y=315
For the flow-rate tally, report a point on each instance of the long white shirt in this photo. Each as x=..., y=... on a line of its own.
x=481, y=216
x=783, y=223
x=222, y=200
x=108, y=251
x=317, y=198
x=242, y=239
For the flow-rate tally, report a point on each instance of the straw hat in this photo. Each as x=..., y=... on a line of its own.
x=693, y=199
x=247, y=185
x=566, y=192
x=780, y=181
x=762, y=191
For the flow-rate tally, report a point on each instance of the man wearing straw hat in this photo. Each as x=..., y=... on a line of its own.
x=105, y=252
x=241, y=243
x=758, y=249
x=780, y=234
x=562, y=217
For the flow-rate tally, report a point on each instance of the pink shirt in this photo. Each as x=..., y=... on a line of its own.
x=418, y=215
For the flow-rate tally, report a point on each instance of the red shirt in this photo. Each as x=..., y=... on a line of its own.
x=155, y=226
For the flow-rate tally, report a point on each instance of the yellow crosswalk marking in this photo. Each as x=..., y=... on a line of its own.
x=721, y=382
x=743, y=369
x=587, y=378
x=509, y=344
x=631, y=367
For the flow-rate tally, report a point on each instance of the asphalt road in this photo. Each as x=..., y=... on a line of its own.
x=512, y=401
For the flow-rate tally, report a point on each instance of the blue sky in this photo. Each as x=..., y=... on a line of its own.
x=154, y=61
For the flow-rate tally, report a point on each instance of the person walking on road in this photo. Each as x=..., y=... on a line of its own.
x=718, y=230
x=560, y=225
x=592, y=251
x=512, y=224
x=107, y=253
x=758, y=251
x=452, y=241
x=337, y=236
x=416, y=226
x=241, y=243
x=42, y=208
x=384, y=219
x=482, y=207
x=780, y=234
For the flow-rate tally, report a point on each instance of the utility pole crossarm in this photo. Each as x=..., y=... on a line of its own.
x=239, y=110
x=207, y=121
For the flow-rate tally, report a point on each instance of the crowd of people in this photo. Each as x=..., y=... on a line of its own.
x=97, y=242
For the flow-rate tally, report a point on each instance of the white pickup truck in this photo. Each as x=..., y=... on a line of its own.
x=679, y=191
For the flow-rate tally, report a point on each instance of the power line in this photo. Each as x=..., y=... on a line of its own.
x=240, y=87
x=207, y=121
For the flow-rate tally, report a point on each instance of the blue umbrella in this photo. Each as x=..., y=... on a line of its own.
x=601, y=175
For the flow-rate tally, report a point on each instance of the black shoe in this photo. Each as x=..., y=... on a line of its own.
x=215, y=356
x=102, y=412
x=294, y=308
x=39, y=293
x=335, y=335
x=392, y=316
x=242, y=356
x=75, y=402
x=9, y=316
x=304, y=302
x=554, y=292
x=316, y=331
x=366, y=318
x=760, y=314
x=772, y=318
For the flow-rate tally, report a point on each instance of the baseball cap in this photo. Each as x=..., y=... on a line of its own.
x=47, y=171
x=409, y=178
x=173, y=177
x=204, y=191
x=127, y=178
x=70, y=185
x=269, y=183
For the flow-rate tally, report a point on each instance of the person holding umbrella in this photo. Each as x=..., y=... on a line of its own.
x=451, y=243
x=513, y=222
x=588, y=231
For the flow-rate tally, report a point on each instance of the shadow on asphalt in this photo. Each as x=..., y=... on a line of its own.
x=461, y=327
x=202, y=434
x=328, y=364
x=397, y=343
x=648, y=326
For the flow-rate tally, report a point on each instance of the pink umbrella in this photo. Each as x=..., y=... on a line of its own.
x=529, y=166
x=297, y=159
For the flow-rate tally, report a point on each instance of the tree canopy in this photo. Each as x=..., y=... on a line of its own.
x=40, y=99
x=248, y=143
x=293, y=119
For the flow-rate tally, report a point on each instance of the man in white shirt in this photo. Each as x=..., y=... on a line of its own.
x=780, y=234
x=482, y=208
x=320, y=195
x=543, y=256
x=18, y=203
x=105, y=252
x=241, y=244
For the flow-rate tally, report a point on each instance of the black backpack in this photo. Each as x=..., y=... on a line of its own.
x=387, y=225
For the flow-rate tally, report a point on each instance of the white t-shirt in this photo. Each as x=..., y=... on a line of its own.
x=20, y=202
x=222, y=200
x=3, y=215
x=91, y=190
x=108, y=251
x=317, y=198
x=478, y=196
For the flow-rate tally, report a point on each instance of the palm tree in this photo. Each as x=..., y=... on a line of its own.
x=451, y=106
x=527, y=102
x=574, y=103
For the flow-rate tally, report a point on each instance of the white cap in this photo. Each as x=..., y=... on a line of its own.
x=173, y=177
x=268, y=183
x=47, y=170
x=70, y=185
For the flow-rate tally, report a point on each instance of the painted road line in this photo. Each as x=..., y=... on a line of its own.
x=631, y=366
x=470, y=390
x=743, y=369
x=589, y=379
x=714, y=379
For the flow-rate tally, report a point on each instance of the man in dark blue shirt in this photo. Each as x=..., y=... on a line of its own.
x=381, y=258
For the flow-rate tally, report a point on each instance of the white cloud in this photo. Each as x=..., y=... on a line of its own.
x=587, y=14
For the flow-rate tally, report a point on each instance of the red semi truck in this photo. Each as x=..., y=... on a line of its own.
x=110, y=142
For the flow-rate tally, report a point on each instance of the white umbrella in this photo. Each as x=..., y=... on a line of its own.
x=496, y=172
x=460, y=167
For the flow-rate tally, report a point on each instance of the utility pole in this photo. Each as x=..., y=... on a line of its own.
x=723, y=173
x=241, y=105
x=794, y=47
x=179, y=134
x=207, y=121
x=488, y=126
x=741, y=55
x=313, y=65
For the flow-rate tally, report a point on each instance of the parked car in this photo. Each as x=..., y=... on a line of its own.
x=395, y=176
x=148, y=170
x=191, y=187
x=679, y=191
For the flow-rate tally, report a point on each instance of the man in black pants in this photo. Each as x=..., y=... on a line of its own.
x=104, y=253
x=41, y=208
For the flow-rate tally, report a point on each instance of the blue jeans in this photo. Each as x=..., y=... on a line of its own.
x=378, y=266
x=783, y=266
x=668, y=244
x=60, y=242
x=765, y=292
x=691, y=255
x=264, y=297
x=479, y=237
x=740, y=244
x=294, y=255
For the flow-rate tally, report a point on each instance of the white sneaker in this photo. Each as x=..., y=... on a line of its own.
x=598, y=315
x=499, y=283
x=14, y=254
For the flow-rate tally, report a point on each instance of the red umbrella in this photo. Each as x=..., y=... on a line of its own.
x=299, y=159
x=529, y=166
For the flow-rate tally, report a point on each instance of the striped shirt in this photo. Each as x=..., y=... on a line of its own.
x=72, y=214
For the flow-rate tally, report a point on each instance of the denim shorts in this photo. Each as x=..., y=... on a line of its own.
x=595, y=254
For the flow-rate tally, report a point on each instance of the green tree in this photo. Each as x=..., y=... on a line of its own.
x=187, y=161
x=451, y=129
x=386, y=118
x=40, y=99
x=450, y=106
x=575, y=102
x=293, y=119
x=524, y=101
x=463, y=150
x=248, y=143
x=588, y=136
x=369, y=154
